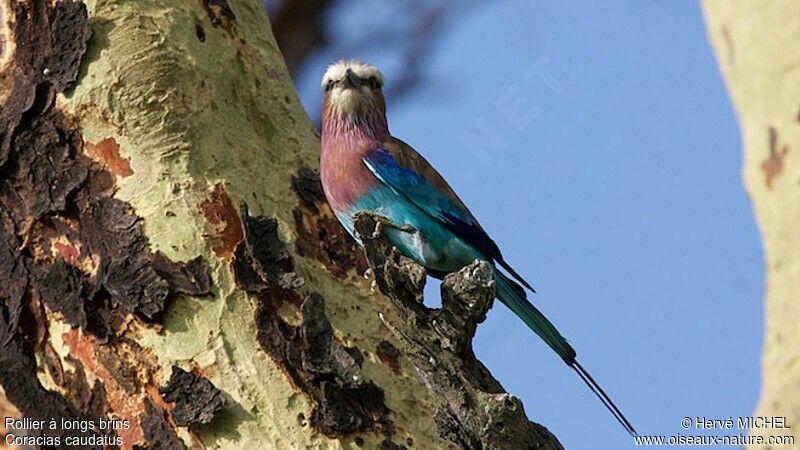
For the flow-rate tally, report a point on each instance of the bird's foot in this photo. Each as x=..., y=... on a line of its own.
x=376, y=233
x=407, y=228
x=381, y=222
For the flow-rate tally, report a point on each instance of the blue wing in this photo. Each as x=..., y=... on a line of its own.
x=400, y=167
x=405, y=172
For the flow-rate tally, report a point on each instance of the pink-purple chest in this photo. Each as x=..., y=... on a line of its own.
x=345, y=177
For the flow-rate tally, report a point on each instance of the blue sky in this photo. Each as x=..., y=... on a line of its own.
x=597, y=144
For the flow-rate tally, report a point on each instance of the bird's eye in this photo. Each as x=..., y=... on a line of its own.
x=329, y=85
x=373, y=83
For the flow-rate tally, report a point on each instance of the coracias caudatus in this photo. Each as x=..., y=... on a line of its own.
x=365, y=169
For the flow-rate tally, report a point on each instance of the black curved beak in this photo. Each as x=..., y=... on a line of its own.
x=352, y=80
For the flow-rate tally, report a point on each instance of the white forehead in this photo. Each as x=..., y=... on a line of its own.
x=337, y=70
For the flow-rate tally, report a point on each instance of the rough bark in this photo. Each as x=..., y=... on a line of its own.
x=167, y=256
x=756, y=43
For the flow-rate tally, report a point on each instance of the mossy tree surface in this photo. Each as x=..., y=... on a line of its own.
x=182, y=134
x=756, y=45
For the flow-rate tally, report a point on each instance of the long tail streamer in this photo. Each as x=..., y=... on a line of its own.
x=513, y=296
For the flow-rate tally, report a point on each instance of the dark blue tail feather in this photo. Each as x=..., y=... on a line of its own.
x=513, y=296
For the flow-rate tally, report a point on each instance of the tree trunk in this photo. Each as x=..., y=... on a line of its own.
x=757, y=48
x=168, y=260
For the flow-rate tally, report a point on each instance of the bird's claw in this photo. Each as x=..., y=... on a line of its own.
x=378, y=229
x=381, y=222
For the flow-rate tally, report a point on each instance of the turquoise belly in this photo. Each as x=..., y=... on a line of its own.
x=430, y=244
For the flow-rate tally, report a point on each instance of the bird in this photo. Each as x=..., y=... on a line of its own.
x=364, y=169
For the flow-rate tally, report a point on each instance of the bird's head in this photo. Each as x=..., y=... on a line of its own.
x=353, y=93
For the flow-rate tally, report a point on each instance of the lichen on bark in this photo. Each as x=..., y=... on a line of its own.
x=72, y=253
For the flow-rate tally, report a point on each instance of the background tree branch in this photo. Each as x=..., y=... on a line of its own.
x=402, y=32
x=754, y=43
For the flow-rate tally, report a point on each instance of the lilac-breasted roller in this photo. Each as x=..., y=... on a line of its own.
x=365, y=169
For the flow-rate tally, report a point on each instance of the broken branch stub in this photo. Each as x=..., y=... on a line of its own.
x=466, y=295
x=473, y=409
x=398, y=277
